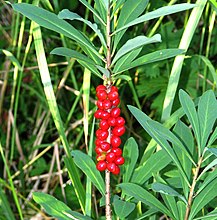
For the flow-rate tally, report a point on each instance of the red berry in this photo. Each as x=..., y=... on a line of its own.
x=113, y=95
x=100, y=87
x=105, y=115
x=98, y=150
x=117, y=170
x=104, y=124
x=114, y=88
x=116, y=102
x=111, y=167
x=105, y=146
x=118, y=131
x=117, y=151
x=120, y=121
x=99, y=104
x=101, y=165
x=112, y=121
x=107, y=104
x=115, y=112
x=110, y=157
x=101, y=134
x=101, y=95
x=115, y=141
x=118, y=160
x=98, y=114
x=98, y=142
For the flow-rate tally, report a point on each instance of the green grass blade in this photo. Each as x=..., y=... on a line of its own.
x=178, y=62
x=14, y=193
x=49, y=93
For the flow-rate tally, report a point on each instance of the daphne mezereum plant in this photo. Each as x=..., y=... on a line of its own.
x=108, y=58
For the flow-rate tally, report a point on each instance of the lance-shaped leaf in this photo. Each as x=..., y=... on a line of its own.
x=66, y=14
x=135, y=43
x=12, y=58
x=166, y=10
x=207, y=114
x=56, y=208
x=144, y=196
x=81, y=58
x=51, y=21
x=167, y=190
x=143, y=119
x=213, y=137
x=190, y=111
x=86, y=164
x=148, y=58
x=84, y=2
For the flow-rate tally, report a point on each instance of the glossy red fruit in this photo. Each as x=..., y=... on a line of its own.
x=117, y=151
x=119, y=160
x=120, y=121
x=101, y=165
x=105, y=146
x=118, y=131
x=98, y=142
x=110, y=157
x=101, y=95
x=115, y=141
x=115, y=112
x=99, y=104
x=112, y=121
x=116, y=171
x=104, y=124
x=116, y=102
x=100, y=87
x=98, y=114
x=107, y=104
x=98, y=150
x=105, y=115
x=113, y=95
x=101, y=134
x=111, y=167
x=114, y=88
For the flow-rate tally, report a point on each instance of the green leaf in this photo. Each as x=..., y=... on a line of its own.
x=167, y=190
x=62, y=51
x=182, y=209
x=190, y=111
x=86, y=164
x=122, y=208
x=209, y=216
x=166, y=10
x=203, y=198
x=12, y=58
x=130, y=11
x=51, y=21
x=143, y=119
x=84, y=2
x=104, y=71
x=213, y=4
x=117, y=5
x=127, y=58
x=5, y=207
x=144, y=196
x=148, y=213
x=154, y=164
x=102, y=7
x=207, y=114
x=167, y=134
x=135, y=43
x=56, y=208
x=213, y=137
x=213, y=151
x=149, y=58
x=66, y=14
x=130, y=153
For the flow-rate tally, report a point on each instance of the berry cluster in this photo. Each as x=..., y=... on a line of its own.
x=111, y=127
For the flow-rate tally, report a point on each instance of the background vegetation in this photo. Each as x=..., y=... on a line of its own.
x=32, y=149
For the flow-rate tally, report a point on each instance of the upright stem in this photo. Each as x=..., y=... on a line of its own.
x=108, y=64
x=191, y=194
